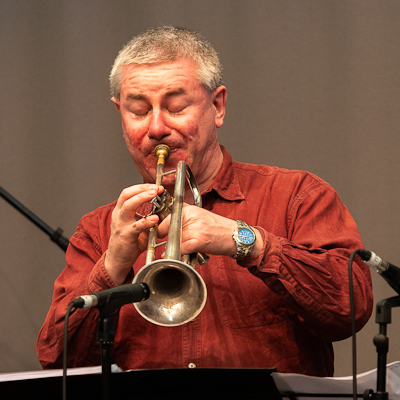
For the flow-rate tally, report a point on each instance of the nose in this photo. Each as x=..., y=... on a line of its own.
x=158, y=127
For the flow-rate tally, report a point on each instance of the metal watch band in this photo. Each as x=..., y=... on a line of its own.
x=243, y=249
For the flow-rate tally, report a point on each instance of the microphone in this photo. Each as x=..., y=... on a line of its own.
x=114, y=297
x=389, y=272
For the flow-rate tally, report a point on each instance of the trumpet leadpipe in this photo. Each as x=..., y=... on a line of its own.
x=162, y=152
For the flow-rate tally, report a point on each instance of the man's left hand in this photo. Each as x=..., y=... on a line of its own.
x=206, y=232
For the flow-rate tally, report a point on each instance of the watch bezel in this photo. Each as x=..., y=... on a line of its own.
x=247, y=230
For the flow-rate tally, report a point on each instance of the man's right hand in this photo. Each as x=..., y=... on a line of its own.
x=128, y=237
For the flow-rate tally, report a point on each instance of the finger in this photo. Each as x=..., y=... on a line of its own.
x=143, y=224
x=142, y=230
x=127, y=210
x=132, y=191
x=163, y=228
x=190, y=246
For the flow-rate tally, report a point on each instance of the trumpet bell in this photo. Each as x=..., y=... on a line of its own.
x=177, y=292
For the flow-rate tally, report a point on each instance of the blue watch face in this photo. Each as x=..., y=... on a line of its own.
x=246, y=236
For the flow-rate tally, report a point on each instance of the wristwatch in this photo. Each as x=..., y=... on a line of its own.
x=245, y=239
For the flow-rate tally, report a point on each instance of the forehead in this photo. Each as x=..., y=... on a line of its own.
x=159, y=77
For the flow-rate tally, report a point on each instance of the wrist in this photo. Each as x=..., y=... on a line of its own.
x=232, y=248
x=245, y=238
x=117, y=275
x=258, y=247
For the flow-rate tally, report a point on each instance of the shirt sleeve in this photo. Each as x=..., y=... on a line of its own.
x=85, y=274
x=309, y=267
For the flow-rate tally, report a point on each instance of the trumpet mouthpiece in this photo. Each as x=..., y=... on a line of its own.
x=162, y=151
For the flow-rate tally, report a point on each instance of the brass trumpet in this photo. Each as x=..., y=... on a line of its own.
x=177, y=291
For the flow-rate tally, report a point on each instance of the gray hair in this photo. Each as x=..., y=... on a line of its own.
x=165, y=44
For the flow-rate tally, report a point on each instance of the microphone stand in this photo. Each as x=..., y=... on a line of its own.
x=105, y=337
x=381, y=342
x=55, y=235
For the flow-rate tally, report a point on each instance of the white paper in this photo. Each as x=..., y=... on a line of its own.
x=307, y=384
x=49, y=373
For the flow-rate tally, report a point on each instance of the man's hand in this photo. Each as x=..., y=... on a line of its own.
x=206, y=232
x=128, y=237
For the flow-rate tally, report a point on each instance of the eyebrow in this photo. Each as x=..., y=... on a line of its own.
x=170, y=93
x=136, y=96
x=175, y=92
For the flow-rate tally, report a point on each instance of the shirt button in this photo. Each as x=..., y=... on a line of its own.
x=192, y=365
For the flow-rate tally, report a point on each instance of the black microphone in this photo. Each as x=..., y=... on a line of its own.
x=389, y=272
x=114, y=297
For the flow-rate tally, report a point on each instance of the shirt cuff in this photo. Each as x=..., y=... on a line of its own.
x=99, y=279
x=269, y=260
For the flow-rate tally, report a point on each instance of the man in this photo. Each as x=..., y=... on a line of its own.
x=278, y=301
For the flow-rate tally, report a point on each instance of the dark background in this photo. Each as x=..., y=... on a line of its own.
x=312, y=85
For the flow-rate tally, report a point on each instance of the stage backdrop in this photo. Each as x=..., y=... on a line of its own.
x=312, y=85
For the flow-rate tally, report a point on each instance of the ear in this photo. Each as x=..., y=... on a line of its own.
x=117, y=104
x=219, y=101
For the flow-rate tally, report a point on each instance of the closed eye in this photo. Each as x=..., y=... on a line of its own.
x=174, y=112
x=141, y=115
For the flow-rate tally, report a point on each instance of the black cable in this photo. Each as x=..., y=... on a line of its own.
x=55, y=235
x=65, y=344
x=353, y=322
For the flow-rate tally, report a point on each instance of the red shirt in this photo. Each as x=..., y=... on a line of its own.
x=282, y=309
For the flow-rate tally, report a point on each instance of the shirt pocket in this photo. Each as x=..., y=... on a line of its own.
x=246, y=301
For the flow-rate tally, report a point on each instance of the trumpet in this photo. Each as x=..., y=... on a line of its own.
x=177, y=291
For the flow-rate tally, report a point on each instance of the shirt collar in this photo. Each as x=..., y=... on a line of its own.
x=226, y=183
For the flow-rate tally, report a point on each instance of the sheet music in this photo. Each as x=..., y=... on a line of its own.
x=49, y=373
x=307, y=384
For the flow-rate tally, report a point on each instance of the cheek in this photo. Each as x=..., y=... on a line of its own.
x=133, y=135
x=188, y=127
x=191, y=129
x=206, y=122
